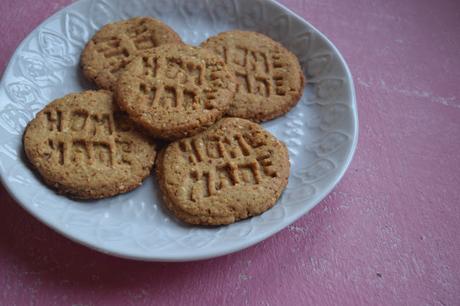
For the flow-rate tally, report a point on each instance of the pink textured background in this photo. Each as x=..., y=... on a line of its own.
x=388, y=234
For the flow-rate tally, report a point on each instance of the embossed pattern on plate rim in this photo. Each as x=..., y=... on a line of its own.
x=206, y=249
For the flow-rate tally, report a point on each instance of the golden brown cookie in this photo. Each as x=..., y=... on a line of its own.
x=269, y=77
x=118, y=43
x=176, y=90
x=232, y=171
x=82, y=145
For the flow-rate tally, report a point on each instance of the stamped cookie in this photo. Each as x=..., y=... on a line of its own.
x=269, y=77
x=176, y=90
x=84, y=147
x=118, y=43
x=232, y=171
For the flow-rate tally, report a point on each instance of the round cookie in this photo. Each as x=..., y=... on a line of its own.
x=118, y=43
x=269, y=77
x=176, y=90
x=83, y=146
x=232, y=171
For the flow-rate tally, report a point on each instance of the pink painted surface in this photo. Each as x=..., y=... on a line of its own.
x=388, y=234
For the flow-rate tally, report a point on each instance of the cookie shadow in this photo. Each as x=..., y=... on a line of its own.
x=82, y=81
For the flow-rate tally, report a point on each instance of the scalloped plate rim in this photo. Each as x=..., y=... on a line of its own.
x=204, y=253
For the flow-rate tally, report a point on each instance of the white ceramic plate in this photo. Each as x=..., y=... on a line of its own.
x=321, y=131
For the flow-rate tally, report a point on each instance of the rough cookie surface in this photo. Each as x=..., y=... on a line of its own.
x=232, y=171
x=269, y=77
x=176, y=90
x=84, y=146
x=117, y=44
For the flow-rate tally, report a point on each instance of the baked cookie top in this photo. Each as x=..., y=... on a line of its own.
x=269, y=77
x=232, y=171
x=83, y=146
x=118, y=43
x=175, y=90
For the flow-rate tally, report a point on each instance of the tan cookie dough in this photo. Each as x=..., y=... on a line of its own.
x=232, y=171
x=84, y=147
x=117, y=44
x=176, y=90
x=269, y=77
